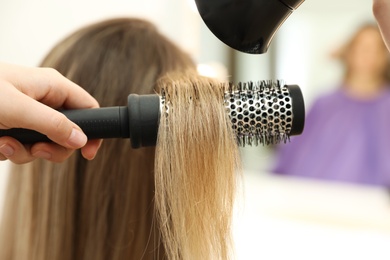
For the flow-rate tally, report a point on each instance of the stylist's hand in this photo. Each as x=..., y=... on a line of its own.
x=381, y=10
x=28, y=99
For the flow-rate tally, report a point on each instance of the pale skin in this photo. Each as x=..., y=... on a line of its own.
x=381, y=9
x=28, y=99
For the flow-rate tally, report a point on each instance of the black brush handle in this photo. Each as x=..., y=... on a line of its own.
x=109, y=122
x=138, y=121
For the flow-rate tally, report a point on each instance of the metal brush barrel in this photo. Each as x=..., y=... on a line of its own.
x=266, y=112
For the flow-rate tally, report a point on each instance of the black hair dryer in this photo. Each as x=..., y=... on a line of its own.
x=246, y=25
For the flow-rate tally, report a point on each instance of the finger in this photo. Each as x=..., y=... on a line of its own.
x=49, y=87
x=2, y=157
x=56, y=91
x=14, y=151
x=29, y=113
x=91, y=148
x=51, y=152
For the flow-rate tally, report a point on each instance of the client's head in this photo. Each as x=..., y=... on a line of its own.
x=114, y=58
x=110, y=197
x=105, y=208
x=366, y=61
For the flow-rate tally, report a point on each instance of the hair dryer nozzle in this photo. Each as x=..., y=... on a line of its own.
x=246, y=25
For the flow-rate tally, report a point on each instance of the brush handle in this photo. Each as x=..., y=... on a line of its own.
x=109, y=122
x=137, y=121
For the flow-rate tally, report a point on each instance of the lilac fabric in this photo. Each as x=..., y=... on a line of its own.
x=344, y=139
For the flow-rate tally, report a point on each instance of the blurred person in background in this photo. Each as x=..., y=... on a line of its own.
x=346, y=137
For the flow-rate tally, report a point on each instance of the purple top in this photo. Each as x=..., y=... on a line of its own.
x=344, y=139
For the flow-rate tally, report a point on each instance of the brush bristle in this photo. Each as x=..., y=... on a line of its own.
x=261, y=112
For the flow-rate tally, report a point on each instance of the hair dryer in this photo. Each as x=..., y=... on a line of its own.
x=246, y=25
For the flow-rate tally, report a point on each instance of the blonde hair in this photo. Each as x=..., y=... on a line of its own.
x=195, y=166
x=106, y=208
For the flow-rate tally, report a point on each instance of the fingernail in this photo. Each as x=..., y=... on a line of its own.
x=77, y=138
x=42, y=154
x=7, y=150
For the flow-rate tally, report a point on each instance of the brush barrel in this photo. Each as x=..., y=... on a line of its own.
x=265, y=112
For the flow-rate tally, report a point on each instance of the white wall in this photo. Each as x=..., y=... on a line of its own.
x=29, y=28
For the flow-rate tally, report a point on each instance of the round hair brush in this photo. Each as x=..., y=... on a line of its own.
x=265, y=112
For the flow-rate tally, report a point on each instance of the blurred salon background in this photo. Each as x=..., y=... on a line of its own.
x=279, y=216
